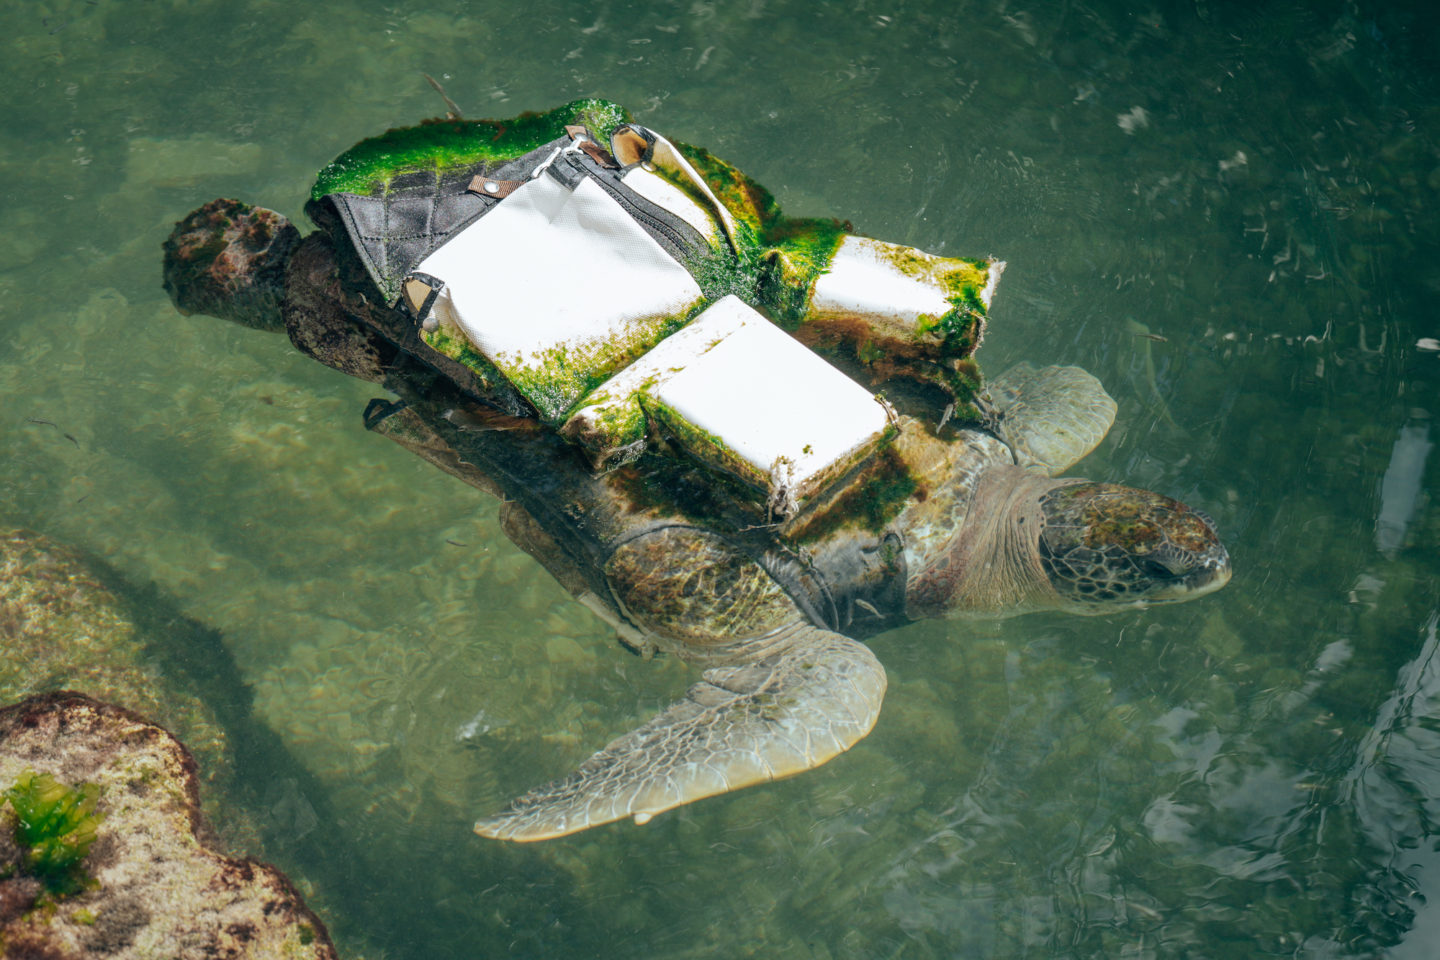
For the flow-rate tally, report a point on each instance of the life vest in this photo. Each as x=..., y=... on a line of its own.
x=624, y=286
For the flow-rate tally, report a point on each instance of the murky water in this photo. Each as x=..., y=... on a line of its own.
x=1224, y=210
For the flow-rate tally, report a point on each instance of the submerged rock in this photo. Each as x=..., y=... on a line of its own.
x=186, y=161
x=159, y=889
x=227, y=259
x=63, y=627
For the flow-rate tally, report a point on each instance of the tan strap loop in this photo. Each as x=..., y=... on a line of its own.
x=599, y=154
x=499, y=189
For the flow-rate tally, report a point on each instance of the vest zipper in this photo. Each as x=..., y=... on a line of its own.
x=680, y=240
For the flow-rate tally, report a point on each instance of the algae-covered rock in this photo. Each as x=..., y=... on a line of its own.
x=228, y=259
x=156, y=888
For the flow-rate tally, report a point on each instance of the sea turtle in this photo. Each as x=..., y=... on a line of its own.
x=956, y=507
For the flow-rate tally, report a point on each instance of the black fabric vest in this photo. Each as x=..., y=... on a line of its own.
x=420, y=211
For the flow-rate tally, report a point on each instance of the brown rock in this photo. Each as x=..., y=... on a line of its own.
x=161, y=891
x=227, y=259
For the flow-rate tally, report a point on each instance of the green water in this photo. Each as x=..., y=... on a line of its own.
x=1224, y=210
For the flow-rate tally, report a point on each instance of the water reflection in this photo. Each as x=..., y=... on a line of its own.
x=1394, y=786
x=1402, y=486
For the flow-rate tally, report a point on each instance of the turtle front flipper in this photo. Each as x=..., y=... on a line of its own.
x=1050, y=417
x=743, y=724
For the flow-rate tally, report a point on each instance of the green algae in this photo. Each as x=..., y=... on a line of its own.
x=870, y=503
x=442, y=145
x=455, y=346
x=55, y=826
x=737, y=271
x=621, y=423
x=799, y=251
x=965, y=382
x=959, y=330
x=610, y=425
x=733, y=267
x=556, y=379
x=748, y=201
x=775, y=259
x=700, y=442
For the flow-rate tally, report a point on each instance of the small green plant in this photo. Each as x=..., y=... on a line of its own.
x=55, y=826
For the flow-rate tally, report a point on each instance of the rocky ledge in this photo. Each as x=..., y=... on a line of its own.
x=155, y=887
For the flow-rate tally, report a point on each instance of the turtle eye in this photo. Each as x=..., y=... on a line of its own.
x=1167, y=563
x=1155, y=570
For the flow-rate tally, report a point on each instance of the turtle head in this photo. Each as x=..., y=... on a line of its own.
x=1103, y=545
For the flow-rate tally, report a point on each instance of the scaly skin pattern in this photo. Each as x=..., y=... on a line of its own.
x=1104, y=544
x=979, y=556
x=690, y=586
x=741, y=725
x=951, y=474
